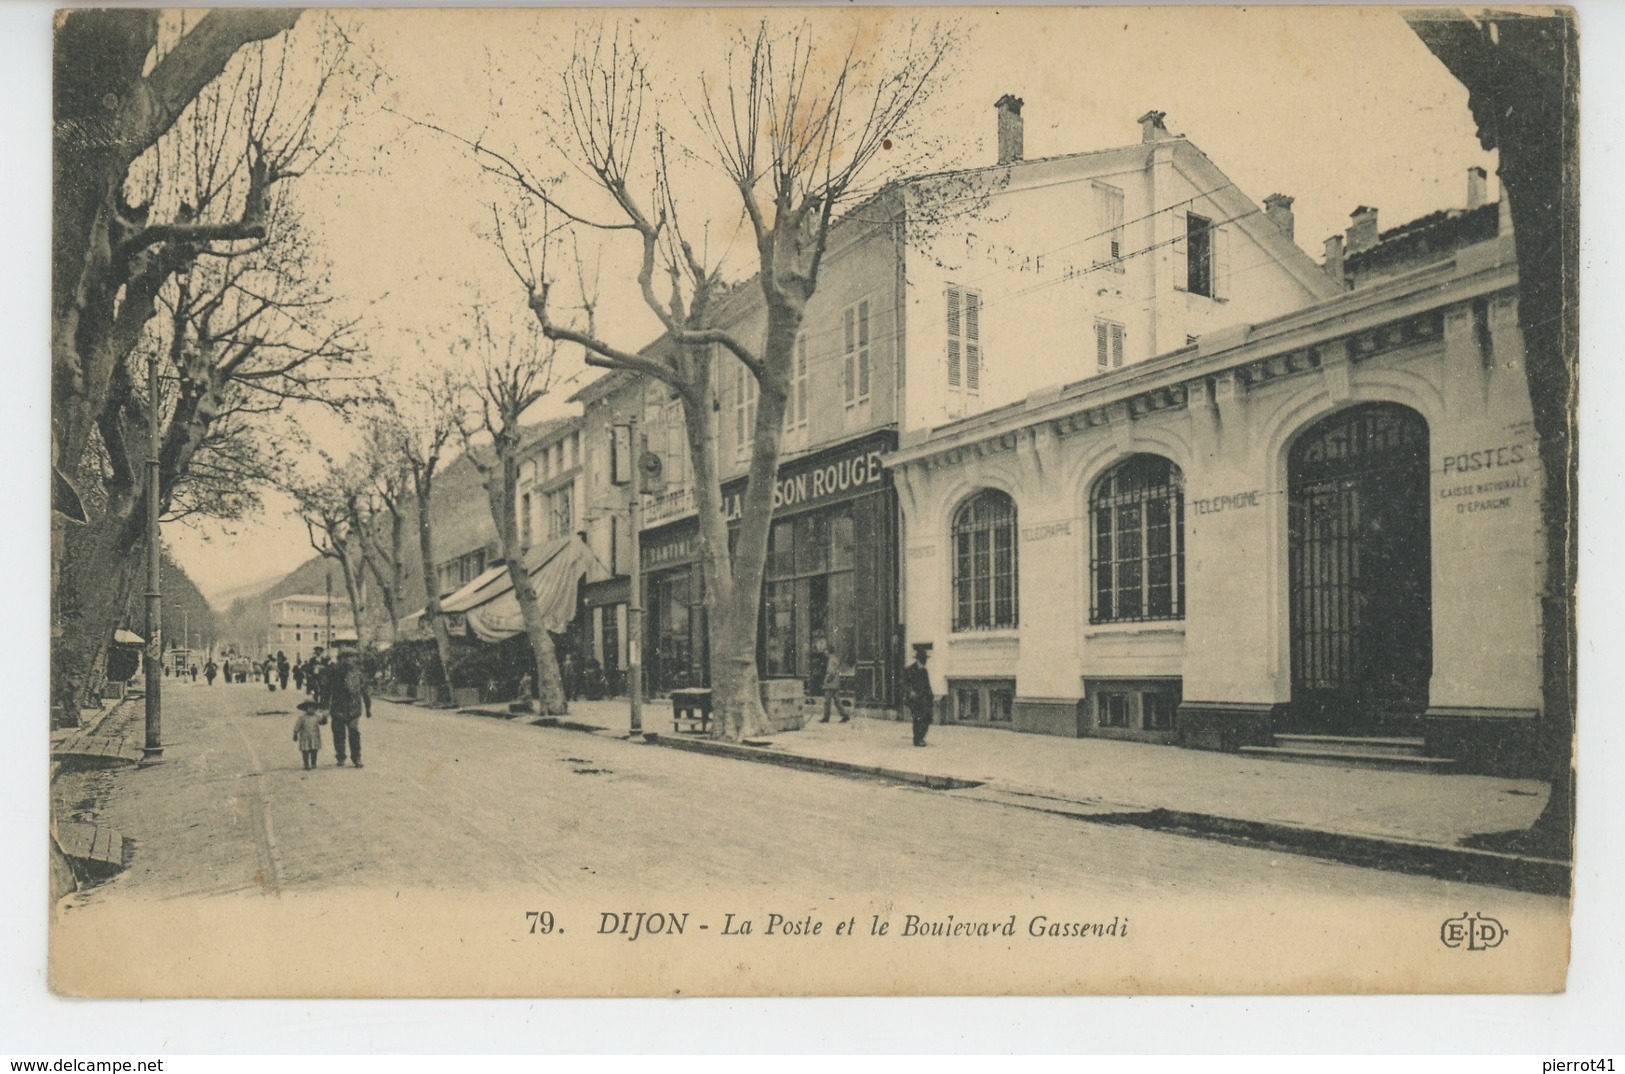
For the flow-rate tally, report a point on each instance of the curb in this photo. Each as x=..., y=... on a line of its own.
x=1541, y=876
x=813, y=764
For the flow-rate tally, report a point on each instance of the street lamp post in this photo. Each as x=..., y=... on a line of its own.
x=153, y=750
x=634, y=600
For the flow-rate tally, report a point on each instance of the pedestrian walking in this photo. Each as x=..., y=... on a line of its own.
x=210, y=670
x=307, y=731
x=282, y=670
x=227, y=670
x=192, y=670
x=917, y=693
x=570, y=675
x=346, y=697
x=313, y=673
x=833, y=674
x=299, y=675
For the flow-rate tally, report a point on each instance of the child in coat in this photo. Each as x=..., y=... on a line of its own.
x=307, y=731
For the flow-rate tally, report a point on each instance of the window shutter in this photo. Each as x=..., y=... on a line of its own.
x=953, y=337
x=863, y=350
x=973, y=341
x=1108, y=238
x=801, y=380
x=1117, y=346
x=1221, y=262
x=1102, y=347
x=1182, y=225
x=750, y=404
x=851, y=343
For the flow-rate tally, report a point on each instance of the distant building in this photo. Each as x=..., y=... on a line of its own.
x=303, y=619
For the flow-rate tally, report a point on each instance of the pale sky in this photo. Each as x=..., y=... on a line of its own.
x=1335, y=107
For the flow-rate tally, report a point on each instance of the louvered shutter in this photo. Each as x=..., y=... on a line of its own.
x=953, y=337
x=1182, y=224
x=801, y=380
x=849, y=372
x=1102, y=345
x=973, y=341
x=863, y=350
x=1117, y=346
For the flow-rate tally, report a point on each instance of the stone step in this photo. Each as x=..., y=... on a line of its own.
x=1403, y=747
x=92, y=850
x=1350, y=758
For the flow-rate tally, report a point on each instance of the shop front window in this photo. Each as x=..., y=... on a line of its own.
x=808, y=596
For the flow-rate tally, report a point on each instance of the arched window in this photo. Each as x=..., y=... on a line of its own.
x=1137, y=524
x=984, y=534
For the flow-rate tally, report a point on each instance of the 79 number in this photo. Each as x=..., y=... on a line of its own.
x=541, y=922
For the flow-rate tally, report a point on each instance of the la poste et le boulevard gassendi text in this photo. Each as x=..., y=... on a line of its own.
x=634, y=925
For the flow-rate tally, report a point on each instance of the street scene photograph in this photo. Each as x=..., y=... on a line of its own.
x=812, y=502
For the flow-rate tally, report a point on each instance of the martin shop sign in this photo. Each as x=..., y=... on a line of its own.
x=829, y=477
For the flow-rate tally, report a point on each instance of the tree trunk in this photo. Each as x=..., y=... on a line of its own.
x=501, y=481
x=431, y=588
x=1522, y=82
x=736, y=613
x=98, y=579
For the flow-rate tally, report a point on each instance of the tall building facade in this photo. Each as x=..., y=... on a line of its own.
x=946, y=298
x=1313, y=535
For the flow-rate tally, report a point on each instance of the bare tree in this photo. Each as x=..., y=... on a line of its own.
x=797, y=135
x=514, y=371
x=380, y=514
x=109, y=256
x=224, y=295
x=1522, y=76
x=424, y=413
x=333, y=521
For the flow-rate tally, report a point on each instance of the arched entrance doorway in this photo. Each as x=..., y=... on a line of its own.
x=1361, y=583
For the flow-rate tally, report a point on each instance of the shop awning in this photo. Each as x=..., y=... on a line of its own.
x=127, y=637
x=492, y=611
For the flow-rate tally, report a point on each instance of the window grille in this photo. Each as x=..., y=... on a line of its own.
x=984, y=569
x=1137, y=515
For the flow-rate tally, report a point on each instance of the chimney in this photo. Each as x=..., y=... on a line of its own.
x=1010, y=133
x=1334, y=258
x=1278, y=207
x=1151, y=128
x=1363, y=230
x=1477, y=193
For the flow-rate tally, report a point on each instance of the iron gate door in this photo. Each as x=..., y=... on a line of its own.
x=1360, y=561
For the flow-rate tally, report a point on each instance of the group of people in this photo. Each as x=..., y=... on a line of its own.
x=340, y=695
x=919, y=700
x=274, y=671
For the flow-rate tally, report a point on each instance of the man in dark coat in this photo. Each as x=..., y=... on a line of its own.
x=917, y=693
x=345, y=694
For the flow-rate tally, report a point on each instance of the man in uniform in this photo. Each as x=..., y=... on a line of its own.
x=917, y=693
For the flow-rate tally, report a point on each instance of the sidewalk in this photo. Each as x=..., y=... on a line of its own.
x=1414, y=821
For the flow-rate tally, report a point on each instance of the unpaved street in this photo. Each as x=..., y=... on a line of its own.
x=461, y=802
